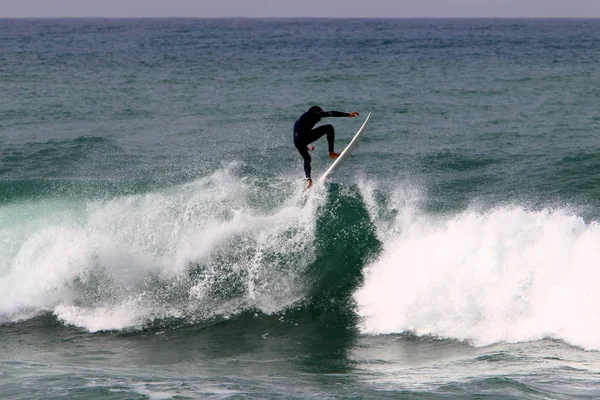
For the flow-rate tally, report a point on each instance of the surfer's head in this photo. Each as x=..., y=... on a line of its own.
x=315, y=109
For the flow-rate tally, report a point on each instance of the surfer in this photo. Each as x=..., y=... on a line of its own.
x=304, y=134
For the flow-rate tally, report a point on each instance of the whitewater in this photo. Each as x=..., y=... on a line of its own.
x=507, y=274
x=123, y=262
x=210, y=249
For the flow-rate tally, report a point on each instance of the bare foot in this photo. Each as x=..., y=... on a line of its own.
x=333, y=155
x=308, y=183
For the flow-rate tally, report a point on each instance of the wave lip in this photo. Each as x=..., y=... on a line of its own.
x=507, y=275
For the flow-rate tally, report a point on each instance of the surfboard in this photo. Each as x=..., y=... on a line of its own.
x=345, y=153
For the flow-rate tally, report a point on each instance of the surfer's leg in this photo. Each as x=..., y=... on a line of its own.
x=320, y=131
x=304, y=153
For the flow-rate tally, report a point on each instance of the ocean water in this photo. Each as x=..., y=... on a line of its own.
x=155, y=241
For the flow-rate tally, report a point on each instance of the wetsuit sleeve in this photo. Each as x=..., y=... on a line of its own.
x=325, y=114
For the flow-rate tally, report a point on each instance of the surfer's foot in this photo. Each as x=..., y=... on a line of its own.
x=333, y=155
x=308, y=183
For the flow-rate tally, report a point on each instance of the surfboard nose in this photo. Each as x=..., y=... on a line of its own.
x=345, y=153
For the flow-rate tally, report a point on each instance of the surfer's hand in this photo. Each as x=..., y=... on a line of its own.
x=308, y=183
x=353, y=114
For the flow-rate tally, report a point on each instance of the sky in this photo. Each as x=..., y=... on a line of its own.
x=301, y=8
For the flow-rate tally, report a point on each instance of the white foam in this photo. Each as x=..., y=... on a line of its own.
x=123, y=262
x=504, y=275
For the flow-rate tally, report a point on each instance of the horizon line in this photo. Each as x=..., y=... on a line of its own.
x=307, y=17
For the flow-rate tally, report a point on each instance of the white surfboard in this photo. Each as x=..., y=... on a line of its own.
x=345, y=153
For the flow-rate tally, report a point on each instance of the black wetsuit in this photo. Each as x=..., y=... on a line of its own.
x=304, y=134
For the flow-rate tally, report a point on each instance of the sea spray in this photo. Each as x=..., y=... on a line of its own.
x=195, y=251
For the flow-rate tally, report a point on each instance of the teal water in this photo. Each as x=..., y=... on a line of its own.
x=155, y=241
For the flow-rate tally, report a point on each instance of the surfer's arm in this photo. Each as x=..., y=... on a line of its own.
x=325, y=114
